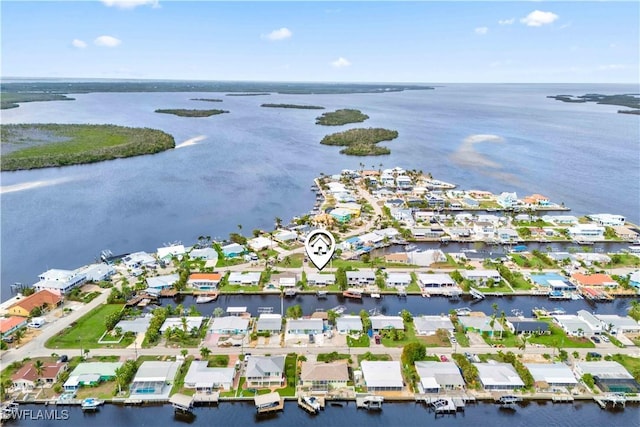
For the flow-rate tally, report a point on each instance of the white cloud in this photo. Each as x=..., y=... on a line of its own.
x=107, y=41
x=341, y=63
x=610, y=67
x=507, y=21
x=538, y=18
x=130, y=4
x=79, y=43
x=481, y=30
x=280, y=34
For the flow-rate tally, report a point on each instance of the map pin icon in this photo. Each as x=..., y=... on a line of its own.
x=320, y=246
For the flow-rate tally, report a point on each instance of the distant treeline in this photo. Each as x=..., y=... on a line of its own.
x=302, y=107
x=12, y=99
x=623, y=100
x=247, y=94
x=361, y=142
x=48, y=145
x=207, y=99
x=341, y=117
x=191, y=113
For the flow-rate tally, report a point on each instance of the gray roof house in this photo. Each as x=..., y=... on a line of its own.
x=265, y=371
x=203, y=378
x=229, y=325
x=305, y=326
x=361, y=278
x=382, y=375
x=428, y=325
x=347, y=324
x=554, y=374
x=437, y=376
x=268, y=322
x=379, y=323
x=154, y=379
x=498, y=376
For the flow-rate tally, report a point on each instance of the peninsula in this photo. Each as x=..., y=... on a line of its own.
x=623, y=100
x=32, y=146
x=341, y=117
x=181, y=112
x=361, y=142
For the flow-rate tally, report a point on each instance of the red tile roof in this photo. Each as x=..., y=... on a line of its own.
x=10, y=322
x=592, y=279
x=40, y=298
x=205, y=276
x=28, y=371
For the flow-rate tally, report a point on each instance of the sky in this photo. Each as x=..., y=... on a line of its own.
x=357, y=41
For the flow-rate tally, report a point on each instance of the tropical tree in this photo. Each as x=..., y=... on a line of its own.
x=218, y=312
x=18, y=335
x=205, y=352
x=39, y=368
x=184, y=352
x=278, y=222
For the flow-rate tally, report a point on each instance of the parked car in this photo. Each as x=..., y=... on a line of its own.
x=377, y=339
x=443, y=358
x=63, y=358
x=605, y=339
x=594, y=355
x=595, y=340
x=8, y=339
x=453, y=340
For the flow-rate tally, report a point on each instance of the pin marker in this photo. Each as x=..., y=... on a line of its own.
x=320, y=246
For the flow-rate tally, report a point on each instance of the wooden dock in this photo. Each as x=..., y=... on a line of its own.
x=267, y=403
x=309, y=408
x=611, y=400
x=206, y=398
x=371, y=402
x=563, y=398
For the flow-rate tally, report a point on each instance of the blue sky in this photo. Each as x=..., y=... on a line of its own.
x=431, y=42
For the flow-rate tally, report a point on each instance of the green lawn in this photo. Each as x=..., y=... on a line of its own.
x=631, y=364
x=240, y=288
x=226, y=262
x=178, y=382
x=291, y=261
x=558, y=338
x=409, y=336
x=290, y=371
x=519, y=282
x=371, y=356
x=508, y=339
x=363, y=341
x=502, y=288
x=87, y=330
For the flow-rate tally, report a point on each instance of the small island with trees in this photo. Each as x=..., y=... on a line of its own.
x=32, y=146
x=341, y=117
x=13, y=99
x=361, y=142
x=191, y=113
x=207, y=99
x=301, y=107
x=624, y=100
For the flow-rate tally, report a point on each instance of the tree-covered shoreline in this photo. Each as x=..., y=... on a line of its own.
x=341, y=117
x=297, y=106
x=361, y=142
x=182, y=112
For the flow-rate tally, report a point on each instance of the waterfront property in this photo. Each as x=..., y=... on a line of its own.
x=551, y=374
x=320, y=376
x=439, y=376
x=206, y=254
x=481, y=277
x=28, y=377
x=265, y=371
x=204, y=379
x=429, y=325
x=137, y=325
x=96, y=272
x=318, y=279
x=348, y=324
x=361, y=278
x=305, y=326
x=60, y=281
x=138, y=260
x=167, y=253
x=618, y=325
x=230, y=325
x=269, y=322
x=233, y=250
x=586, y=232
x=154, y=379
x=498, y=376
x=8, y=325
x=591, y=320
x=259, y=243
x=44, y=299
x=597, y=280
x=382, y=375
x=381, y=323
x=157, y=283
x=244, y=278
x=573, y=325
x=396, y=280
x=609, y=376
x=607, y=219
x=520, y=325
x=204, y=281
x=481, y=324
x=190, y=323
x=91, y=374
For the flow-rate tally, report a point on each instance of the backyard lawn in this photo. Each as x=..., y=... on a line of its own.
x=558, y=338
x=87, y=330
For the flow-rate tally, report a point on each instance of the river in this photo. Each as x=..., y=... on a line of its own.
x=254, y=164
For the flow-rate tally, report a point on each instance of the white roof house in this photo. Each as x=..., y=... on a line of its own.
x=139, y=259
x=233, y=249
x=285, y=235
x=573, y=325
x=481, y=276
x=603, y=369
x=305, y=326
x=428, y=325
x=480, y=324
x=244, y=278
x=176, y=322
x=554, y=374
x=608, y=219
x=208, y=254
x=287, y=282
x=372, y=238
x=162, y=282
x=618, y=324
x=154, y=378
x=436, y=376
x=318, y=279
x=382, y=375
x=96, y=272
x=398, y=279
x=170, y=251
x=379, y=323
x=259, y=243
x=498, y=376
x=268, y=322
x=346, y=324
x=57, y=280
x=203, y=378
x=591, y=320
x=435, y=280
x=229, y=325
x=361, y=277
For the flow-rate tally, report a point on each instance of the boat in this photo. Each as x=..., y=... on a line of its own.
x=322, y=294
x=517, y=313
x=91, y=404
x=312, y=402
x=463, y=311
x=634, y=249
x=375, y=295
x=339, y=404
x=410, y=247
x=8, y=411
x=339, y=309
x=352, y=293
x=290, y=293
x=557, y=311
x=203, y=299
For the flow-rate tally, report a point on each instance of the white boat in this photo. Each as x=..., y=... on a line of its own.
x=463, y=311
x=312, y=402
x=203, y=299
x=375, y=295
x=322, y=294
x=91, y=404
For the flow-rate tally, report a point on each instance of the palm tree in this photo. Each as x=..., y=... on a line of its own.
x=205, y=352
x=183, y=321
x=240, y=228
x=39, y=367
x=278, y=222
x=18, y=335
x=184, y=352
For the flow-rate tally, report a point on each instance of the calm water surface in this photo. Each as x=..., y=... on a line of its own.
x=255, y=164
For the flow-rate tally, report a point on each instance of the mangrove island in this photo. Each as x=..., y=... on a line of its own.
x=181, y=112
x=361, y=142
x=301, y=107
x=207, y=99
x=341, y=117
x=624, y=100
x=32, y=146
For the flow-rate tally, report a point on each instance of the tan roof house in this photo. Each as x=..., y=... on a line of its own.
x=324, y=376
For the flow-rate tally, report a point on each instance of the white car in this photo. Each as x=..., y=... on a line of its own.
x=605, y=339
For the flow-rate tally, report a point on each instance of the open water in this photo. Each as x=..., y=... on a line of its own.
x=254, y=164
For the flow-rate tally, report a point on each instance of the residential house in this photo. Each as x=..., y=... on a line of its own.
x=371, y=239
x=469, y=202
x=8, y=325
x=268, y=322
x=247, y=278
x=318, y=279
x=229, y=325
x=507, y=235
x=403, y=182
x=382, y=375
x=552, y=374
x=27, y=377
x=536, y=200
x=591, y=320
x=498, y=376
x=341, y=215
x=204, y=281
x=157, y=283
x=233, y=250
x=44, y=299
x=429, y=325
x=484, y=230
x=166, y=254
x=436, y=280
x=573, y=325
x=348, y=324
x=438, y=376
x=387, y=180
x=597, y=280
x=354, y=208
x=320, y=376
x=396, y=280
x=561, y=219
x=265, y=371
x=361, y=278
x=482, y=277
x=206, y=254
x=259, y=243
x=285, y=235
x=482, y=324
x=519, y=325
x=205, y=380
x=617, y=325
x=634, y=279
x=507, y=200
x=305, y=326
x=96, y=272
x=190, y=322
x=607, y=220
x=587, y=232
x=397, y=258
x=287, y=282
x=61, y=281
x=154, y=378
x=381, y=323
x=139, y=260
x=91, y=374
x=432, y=232
x=609, y=376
